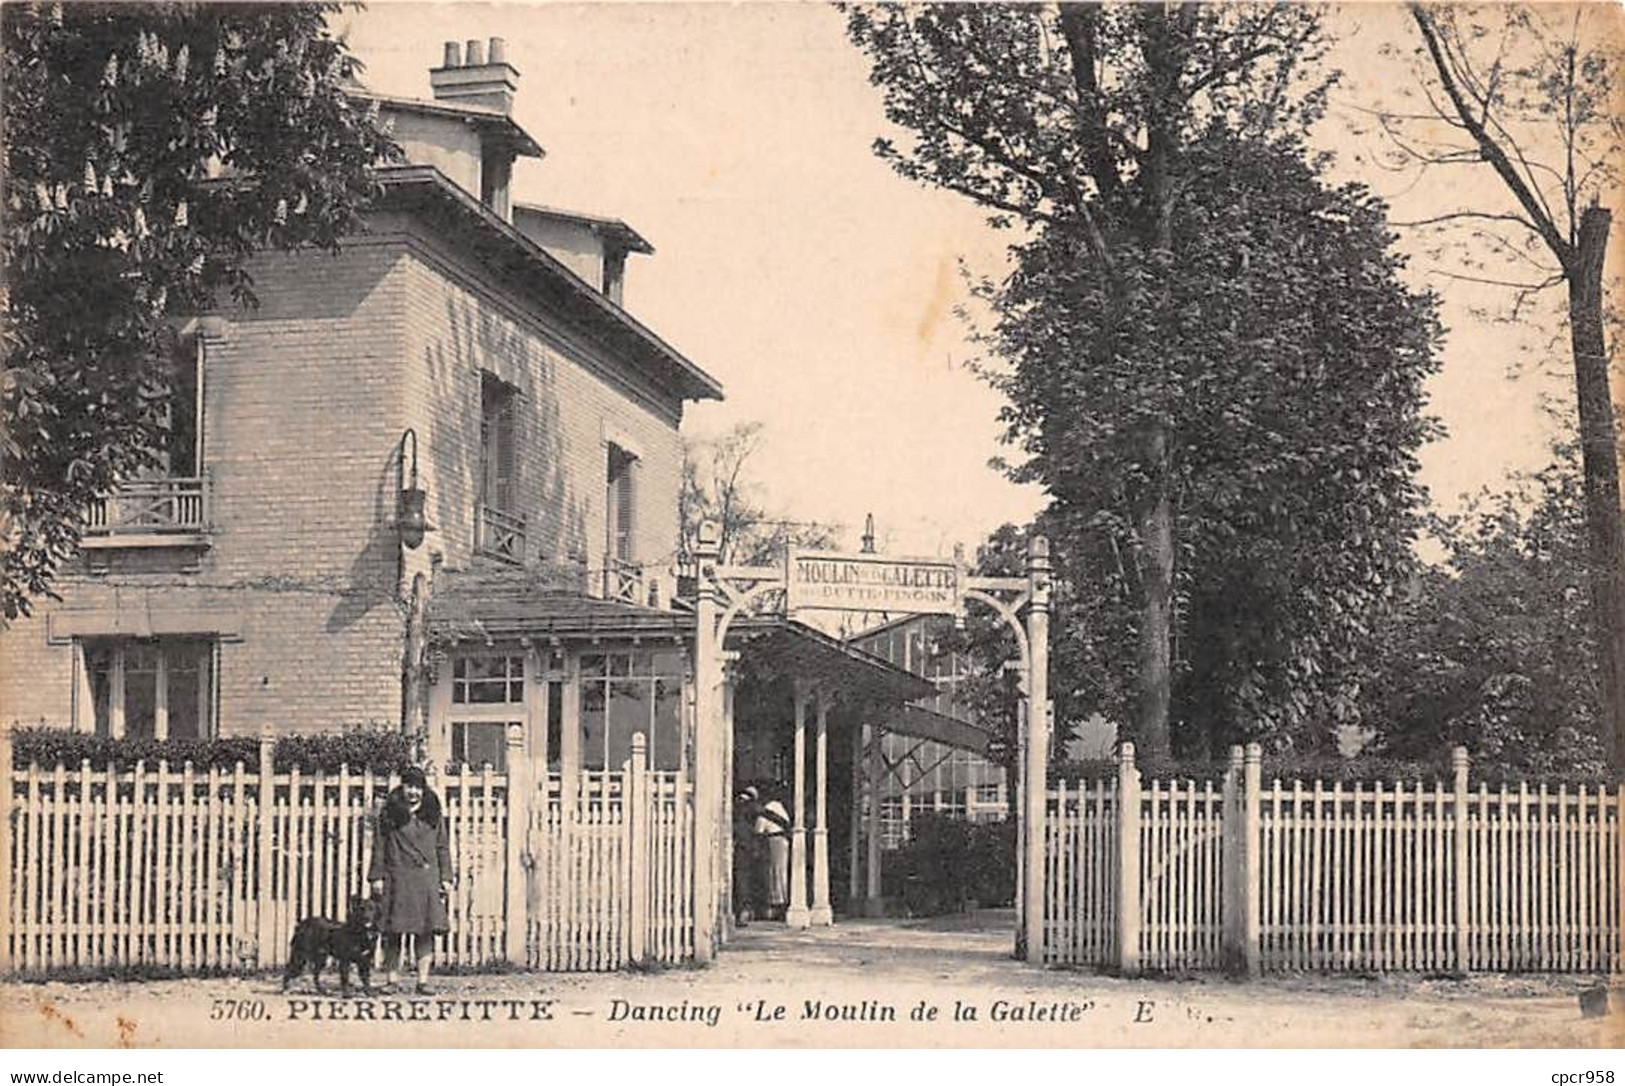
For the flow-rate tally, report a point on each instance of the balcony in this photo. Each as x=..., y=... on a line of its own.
x=499, y=535
x=623, y=581
x=151, y=513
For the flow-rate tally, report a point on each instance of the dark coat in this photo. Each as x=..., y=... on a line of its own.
x=411, y=856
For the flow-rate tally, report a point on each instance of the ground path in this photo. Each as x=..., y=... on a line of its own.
x=859, y=984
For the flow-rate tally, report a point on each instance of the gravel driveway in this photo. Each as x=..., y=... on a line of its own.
x=859, y=984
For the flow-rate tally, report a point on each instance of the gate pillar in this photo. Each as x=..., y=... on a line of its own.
x=708, y=782
x=1037, y=752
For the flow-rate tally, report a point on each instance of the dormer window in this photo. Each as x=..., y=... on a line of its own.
x=496, y=180
x=614, y=274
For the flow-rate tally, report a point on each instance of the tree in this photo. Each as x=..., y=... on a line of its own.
x=1213, y=368
x=717, y=487
x=1533, y=93
x=150, y=151
x=1492, y=650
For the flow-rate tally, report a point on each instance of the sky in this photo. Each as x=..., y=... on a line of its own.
x=820, y=288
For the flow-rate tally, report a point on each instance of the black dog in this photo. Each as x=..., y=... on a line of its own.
x=316, y=939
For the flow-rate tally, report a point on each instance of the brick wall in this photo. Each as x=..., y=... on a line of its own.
x=306, y=399
x=301, y=420
x=572, y=401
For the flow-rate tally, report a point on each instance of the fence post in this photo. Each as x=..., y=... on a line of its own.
x=7, y=960
x=264, y=931
x=1253, y=777
x=1233, y=940
x=1619, y=878
x=1128, y=862
x=516, y=835
x=637, y=800
x=1458, y=762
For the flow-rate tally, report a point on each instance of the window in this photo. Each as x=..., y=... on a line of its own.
x=496, y=444
x=624, y=693
x=620, y=501
x=155, y=688
x=480, y=743
x=166, y=495
x=555, y=725
x=623, y=580
x=487, y=696
x=893, y=831
x=490, y=680
x=614, y=274
x=498, y=531
x=180, y=452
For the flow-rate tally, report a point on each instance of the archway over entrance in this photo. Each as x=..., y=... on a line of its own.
x=865, y=582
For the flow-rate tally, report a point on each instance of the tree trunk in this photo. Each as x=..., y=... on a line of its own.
x=1599, y=448
x=1156, y=626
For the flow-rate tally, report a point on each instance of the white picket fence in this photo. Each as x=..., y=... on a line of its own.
x=1365, y=878
x=611, y=882
x=1080, y=877
x=209, y=871
x=1369, y=877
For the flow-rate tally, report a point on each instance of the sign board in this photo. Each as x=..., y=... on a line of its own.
x=824, y=580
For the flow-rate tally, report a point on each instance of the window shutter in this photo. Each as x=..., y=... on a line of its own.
x=504, y=455
x=625, y=504
x=497, y=454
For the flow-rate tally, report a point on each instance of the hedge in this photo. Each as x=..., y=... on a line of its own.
x=384, y=751
x=949, y=862
x=1329, y=768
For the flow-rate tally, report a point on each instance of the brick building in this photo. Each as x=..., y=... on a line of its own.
x=477, y=344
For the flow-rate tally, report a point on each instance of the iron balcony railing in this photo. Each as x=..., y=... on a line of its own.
x=152, y=507
x=499, y=535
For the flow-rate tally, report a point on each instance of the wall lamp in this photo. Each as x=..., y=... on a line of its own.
x=410, y=519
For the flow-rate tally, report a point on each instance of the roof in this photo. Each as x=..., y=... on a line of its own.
x=512, y=256
x=504, y=603
x=509, y=604
x=787, y=647
x=918, y=619
x=489, y=121
x=615, y=230
x=922, y=723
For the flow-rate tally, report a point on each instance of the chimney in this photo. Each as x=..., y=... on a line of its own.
x=471, y=76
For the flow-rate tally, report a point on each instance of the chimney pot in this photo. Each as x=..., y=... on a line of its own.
x=487, y=83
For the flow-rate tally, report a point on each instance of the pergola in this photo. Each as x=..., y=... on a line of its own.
x=730, y=597
x=824, y=673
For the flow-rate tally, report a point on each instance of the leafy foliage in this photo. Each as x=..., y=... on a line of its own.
x=150, y=150
x=1213, y=367
x=1055, y=114
x=1278, y=359
x=947, y=863
x=1493, y=650
x=1288, y=377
